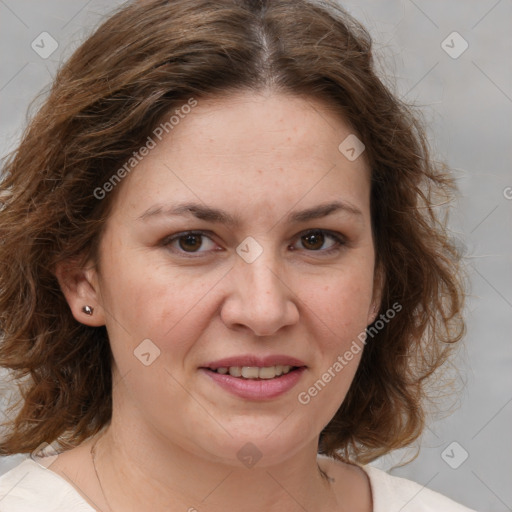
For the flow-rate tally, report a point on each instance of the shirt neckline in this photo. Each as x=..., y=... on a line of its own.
x=369, y=471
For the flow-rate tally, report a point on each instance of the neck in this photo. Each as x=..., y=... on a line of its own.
x=138, y=470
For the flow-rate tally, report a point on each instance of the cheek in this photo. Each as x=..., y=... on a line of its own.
x=157, y=301
x=341, y=302
x=338, y=316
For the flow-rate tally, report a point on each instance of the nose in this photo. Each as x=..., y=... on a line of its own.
x=259, y=298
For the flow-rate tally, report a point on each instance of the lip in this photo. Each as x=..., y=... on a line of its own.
x=252, y=360
x=255, y=389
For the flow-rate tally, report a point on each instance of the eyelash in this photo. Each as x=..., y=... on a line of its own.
x=339, y=240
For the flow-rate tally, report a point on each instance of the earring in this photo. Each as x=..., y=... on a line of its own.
x=88, y=310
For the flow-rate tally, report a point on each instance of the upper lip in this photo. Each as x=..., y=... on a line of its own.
x=253, y=360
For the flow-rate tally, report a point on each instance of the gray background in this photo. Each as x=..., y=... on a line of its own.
x=467, y=102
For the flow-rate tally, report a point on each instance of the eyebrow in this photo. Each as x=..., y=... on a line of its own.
x=216, y=215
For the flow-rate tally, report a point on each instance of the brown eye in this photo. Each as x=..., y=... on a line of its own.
x=190, y=242
x=313, y=241
x=321, y=241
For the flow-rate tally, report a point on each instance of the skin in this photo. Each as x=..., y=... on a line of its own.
x=258, y=157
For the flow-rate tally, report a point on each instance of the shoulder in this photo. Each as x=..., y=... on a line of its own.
x=29, y=487
x=393, y=494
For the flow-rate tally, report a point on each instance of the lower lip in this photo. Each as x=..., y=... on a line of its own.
x=256, y=389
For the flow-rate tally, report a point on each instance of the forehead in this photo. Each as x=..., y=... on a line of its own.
x=252, y=148
x=257, y=123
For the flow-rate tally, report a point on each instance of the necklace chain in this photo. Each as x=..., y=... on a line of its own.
x=93, y=457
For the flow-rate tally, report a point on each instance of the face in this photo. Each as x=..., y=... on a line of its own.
x=241, y=243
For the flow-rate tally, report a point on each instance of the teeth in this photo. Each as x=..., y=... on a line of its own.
x=267, y=373
x=255, y=372
x=250, y=372
x=235, y=371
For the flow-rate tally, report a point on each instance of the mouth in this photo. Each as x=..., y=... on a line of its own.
x=255, y=378
x=255, y=372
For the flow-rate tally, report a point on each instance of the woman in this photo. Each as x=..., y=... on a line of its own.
x=224, y=283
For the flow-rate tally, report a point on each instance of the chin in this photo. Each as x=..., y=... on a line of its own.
x=264, y=445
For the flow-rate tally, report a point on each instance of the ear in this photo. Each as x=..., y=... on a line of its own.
x=80, y=285
x=378, y=289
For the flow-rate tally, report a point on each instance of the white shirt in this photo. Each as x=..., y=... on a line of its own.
x=30, y=487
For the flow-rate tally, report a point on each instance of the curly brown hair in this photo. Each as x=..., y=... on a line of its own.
x=140, y=64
